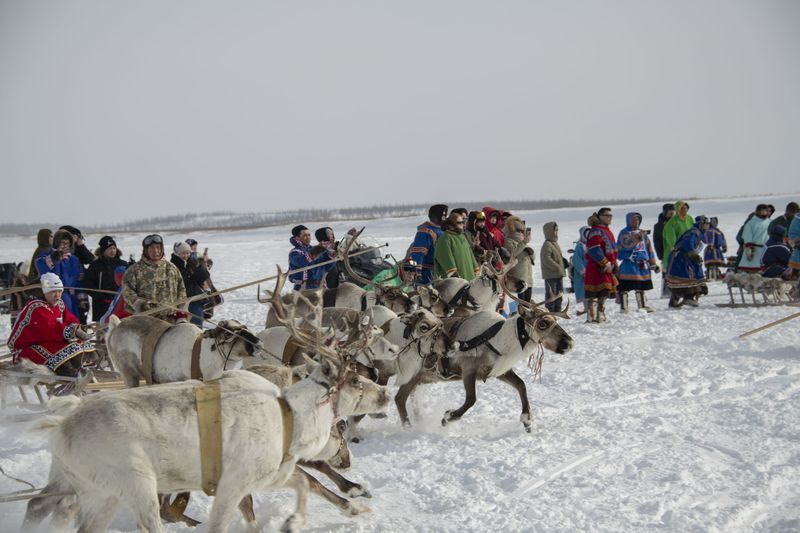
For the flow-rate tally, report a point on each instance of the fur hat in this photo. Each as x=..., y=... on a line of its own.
x=51, y=282
x=513, y=225
x=297, y=229
x=437, y=213
x=322, y=234
x=63, y=235
x=73, y=230
x=179, y=247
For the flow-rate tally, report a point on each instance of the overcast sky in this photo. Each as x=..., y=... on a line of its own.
x=113, y=110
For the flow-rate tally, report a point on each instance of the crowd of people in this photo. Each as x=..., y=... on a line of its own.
x=603, y=265
x=450, y=243
x=689, y=249
x=75, y=281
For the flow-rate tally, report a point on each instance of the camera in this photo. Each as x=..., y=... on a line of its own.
x=645, y=231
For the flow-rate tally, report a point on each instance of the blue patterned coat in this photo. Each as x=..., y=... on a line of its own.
x=685, y=267
x=635, y=251
x=422, y=249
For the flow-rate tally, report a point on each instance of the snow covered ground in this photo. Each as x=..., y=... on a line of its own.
x=659, y=422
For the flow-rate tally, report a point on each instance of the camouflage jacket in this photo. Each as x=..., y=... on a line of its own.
x=155, y=282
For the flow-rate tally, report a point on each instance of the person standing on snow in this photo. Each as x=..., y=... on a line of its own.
x=579, y=268
x=755, y=235
x=674, y=228
x=685, y=273
x=452, y=254
x=601, y=263
x=302, y=255
x=153, y=281
x=637, y=262
x=100, y=275
x=553, y=267
x=714, y=254
x=420, y=255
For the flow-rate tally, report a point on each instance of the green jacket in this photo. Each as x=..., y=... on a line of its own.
x=552, y=260
x=673, y=229
x=452, y=255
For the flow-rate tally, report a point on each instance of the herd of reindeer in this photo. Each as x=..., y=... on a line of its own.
x=322, y=363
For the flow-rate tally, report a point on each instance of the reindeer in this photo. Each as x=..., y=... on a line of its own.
x=229, y=342
x=158, y=426
x=486, y=345
x=481, y=293
x=281, y=348
x=58, y=498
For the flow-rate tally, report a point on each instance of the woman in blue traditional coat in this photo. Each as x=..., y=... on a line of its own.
x=716, y=247
x=638, y=260
x=685, y=277
x=579, y=268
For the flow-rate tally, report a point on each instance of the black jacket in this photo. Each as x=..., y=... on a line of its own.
x=100, y=275
x=193, y=273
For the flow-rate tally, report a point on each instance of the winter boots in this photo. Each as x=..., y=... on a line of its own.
x=675, y=301
x=641, y=301
x=601, y=309
x=591, y=310
x=623, y=301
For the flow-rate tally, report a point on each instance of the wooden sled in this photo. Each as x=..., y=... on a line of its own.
x=759, y=304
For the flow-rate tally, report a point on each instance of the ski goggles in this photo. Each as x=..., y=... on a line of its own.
x=152, y=239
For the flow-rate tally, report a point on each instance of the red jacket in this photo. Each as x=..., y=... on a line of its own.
x=45, y=334
x=601, y=249
x=496, y=231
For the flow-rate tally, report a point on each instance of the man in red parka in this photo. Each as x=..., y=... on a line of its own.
x=601, y=265
x=46, y=333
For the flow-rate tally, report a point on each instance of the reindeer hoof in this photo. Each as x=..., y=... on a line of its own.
x=448, y=417
x=526, y=420
x=355, y=440
x=359, y=492
x=406, y=424
x=354, y=509
x=377, y=415
x=293, y=524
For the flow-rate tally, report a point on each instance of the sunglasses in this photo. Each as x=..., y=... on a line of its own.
x=153, y=239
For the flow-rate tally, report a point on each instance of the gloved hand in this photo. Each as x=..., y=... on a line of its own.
x=142, y=305
x=655, y=268
x=84, y=334
x=181, y=317
x=750, y=253
x=696, y=259
x=608, y=267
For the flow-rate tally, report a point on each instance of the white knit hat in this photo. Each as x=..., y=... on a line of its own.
x=51, y=282
x=181, y=247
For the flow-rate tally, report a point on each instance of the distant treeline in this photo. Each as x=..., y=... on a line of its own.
x=221, y=220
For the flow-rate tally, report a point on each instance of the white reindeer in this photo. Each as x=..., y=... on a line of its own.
x=229, y=342
x=486, y=345
x=155, y=443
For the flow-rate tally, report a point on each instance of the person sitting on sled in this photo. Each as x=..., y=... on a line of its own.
x=47, y=333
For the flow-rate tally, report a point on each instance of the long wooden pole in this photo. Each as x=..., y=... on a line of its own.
x=771, y=324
